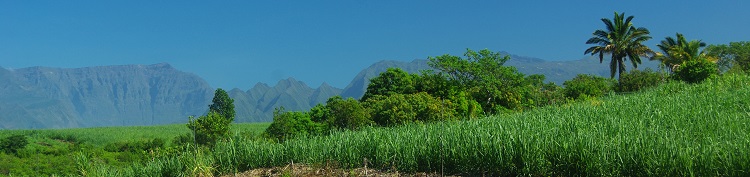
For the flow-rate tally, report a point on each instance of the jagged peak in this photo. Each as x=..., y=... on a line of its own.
x=324, y=84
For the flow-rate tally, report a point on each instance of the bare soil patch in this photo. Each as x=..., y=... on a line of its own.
x=300, y=170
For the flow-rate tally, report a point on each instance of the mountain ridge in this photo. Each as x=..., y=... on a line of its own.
x=125, y=95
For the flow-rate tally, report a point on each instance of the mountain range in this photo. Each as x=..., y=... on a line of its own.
x=126, y=95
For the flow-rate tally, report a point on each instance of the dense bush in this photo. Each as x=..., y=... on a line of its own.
x=13, y=143
x=584, y=85
x=636, y=80
x=398, y=109
x=209, y=128
x=292, y=124
x=346, y=113
x=694, y=71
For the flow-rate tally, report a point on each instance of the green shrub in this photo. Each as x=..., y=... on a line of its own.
x=589, y=85
x=694, y=71
x=288, y=125
x=346, y=113
x=636, y=80
x=398, y=109
x=209, y=128
x=13, y=143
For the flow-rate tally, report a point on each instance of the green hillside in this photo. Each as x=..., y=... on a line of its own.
x=676, y=129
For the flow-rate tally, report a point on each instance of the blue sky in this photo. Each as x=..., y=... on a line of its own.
x=235, y=44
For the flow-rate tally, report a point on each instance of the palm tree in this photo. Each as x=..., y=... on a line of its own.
x=621, y=39
x=676, y=51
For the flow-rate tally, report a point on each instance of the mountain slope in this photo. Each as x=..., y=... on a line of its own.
x=40, y=97
x=258, y=103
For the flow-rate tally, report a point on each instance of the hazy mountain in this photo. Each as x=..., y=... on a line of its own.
x=258, y=103
x=41, y=97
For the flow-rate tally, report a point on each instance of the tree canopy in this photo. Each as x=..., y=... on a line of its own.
x=620, y=39
x=222, y=104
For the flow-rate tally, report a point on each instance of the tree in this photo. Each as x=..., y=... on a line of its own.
x=347, y=113
x=209, y=128
x=675, y=52
x=736, y=55
x=483, y=75
x=620, y=39
x=288, y=125
x=215, y=125
x=223, y=105
x=392, y=81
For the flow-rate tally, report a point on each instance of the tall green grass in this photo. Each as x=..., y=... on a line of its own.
x=675, y=129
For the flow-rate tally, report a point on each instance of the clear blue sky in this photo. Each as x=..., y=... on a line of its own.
x=239, y=43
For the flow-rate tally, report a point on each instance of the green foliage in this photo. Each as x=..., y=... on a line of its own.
x=435, y=84
x=209, y=128
x=464, y=106
x=636, y=80
x=584, y=85
x=393, y=81
x=483, y=75
x=399, y=109
x=735, y=55
x=13, y=143
x=213, y=127
x=288, y=125
x=677, y=51
x=223, y=105
x=135, y=146
x=347, y=113
x=620, y=39
x=694, y=71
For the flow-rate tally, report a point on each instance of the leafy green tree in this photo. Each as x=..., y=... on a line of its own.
x=288, y=125
x=215, y=125
x=620, y=39
x=483, y=75
x=13, y=143
x=209, y=128
x=587, y=85
x=347, y=113
x=223, y=105
x=736, y=55
x=392, y=81
x=435, y=84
